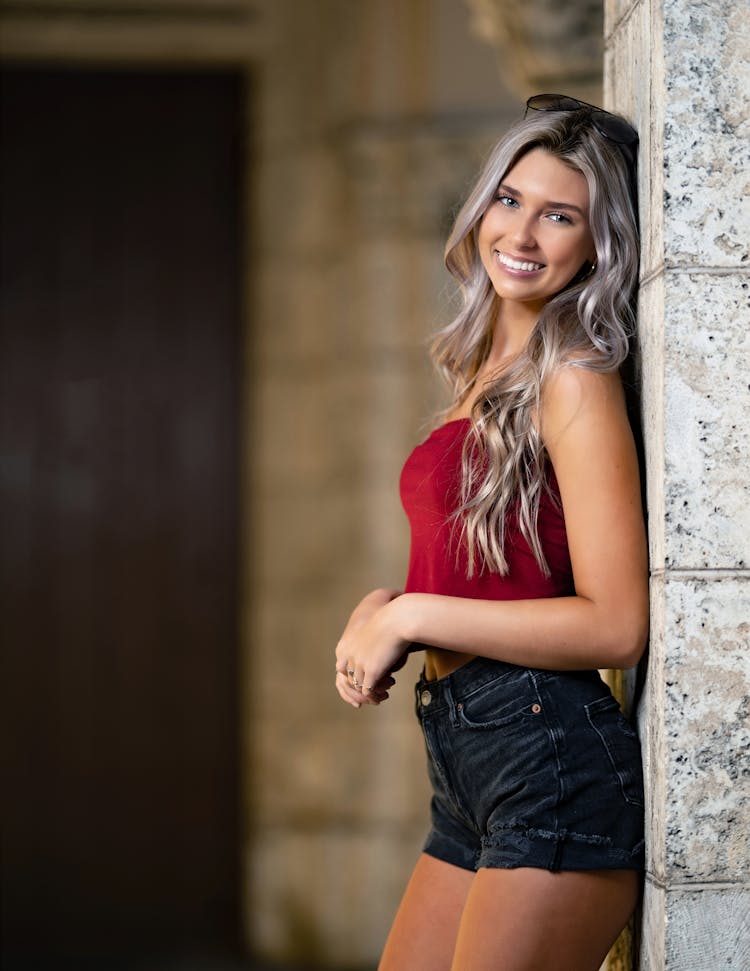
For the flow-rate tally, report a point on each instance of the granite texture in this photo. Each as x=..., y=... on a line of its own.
x=707, y=133
x=707, y=728
x=706, y=928
x=706, y=426
x=681, y=69
x=709, y=928
x=651, y=314
x=650, y=718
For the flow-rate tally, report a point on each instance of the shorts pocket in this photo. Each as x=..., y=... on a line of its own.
x=503, y=702
x=620, y=744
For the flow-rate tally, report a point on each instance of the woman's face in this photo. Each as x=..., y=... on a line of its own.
x=535, y=236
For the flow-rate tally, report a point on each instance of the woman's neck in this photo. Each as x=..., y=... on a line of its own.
x=512, y=329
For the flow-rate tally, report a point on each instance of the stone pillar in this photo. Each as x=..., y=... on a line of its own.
x=680, y=70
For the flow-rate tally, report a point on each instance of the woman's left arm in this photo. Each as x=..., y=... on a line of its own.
x=586, y=433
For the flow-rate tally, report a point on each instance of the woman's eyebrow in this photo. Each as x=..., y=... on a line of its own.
x=549, y=204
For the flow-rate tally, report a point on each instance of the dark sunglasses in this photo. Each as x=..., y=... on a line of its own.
x=611, y=126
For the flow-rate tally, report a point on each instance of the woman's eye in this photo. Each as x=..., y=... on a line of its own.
x=506, y=200
x=559, y=217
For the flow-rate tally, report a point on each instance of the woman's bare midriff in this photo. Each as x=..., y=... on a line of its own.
x=439, y=663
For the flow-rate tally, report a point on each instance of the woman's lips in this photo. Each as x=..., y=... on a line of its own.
x=521, y=266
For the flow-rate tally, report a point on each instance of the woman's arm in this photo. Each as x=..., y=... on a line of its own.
x=365, y=610
x=587, y=435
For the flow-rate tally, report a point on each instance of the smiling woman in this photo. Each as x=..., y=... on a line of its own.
x=531, y=246
x=527, y=570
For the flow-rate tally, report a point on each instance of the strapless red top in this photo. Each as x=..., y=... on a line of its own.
x=430, y=491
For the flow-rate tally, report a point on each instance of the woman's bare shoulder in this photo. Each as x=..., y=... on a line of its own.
x=575, y=391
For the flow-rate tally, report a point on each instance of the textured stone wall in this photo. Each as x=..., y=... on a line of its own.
x=680, y=69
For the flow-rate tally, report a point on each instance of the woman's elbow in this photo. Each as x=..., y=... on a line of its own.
x=628, y=640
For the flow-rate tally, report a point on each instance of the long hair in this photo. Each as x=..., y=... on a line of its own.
x=587, y=324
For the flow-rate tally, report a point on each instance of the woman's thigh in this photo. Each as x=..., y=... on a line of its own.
x=424, y=931
x=525, y=919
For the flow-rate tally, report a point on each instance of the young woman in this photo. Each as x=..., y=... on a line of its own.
x=528, y=569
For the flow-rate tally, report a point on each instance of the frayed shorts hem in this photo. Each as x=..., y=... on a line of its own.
x=537, y=849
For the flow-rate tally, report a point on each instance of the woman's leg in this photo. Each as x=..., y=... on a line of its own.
x=423, y=935
x=525, y=919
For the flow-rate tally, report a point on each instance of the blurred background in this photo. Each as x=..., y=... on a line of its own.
x=222, y=232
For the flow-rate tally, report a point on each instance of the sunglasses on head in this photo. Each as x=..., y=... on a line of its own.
x=611, y=126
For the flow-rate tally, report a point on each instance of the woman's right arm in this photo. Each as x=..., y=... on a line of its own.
x=362, y=613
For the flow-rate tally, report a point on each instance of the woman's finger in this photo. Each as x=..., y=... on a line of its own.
x=356, y=675
x=346, y=691
x=351, y=694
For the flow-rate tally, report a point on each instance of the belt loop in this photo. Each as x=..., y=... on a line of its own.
x=451, y=704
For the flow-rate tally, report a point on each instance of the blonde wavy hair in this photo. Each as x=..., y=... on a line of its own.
x=588, y=324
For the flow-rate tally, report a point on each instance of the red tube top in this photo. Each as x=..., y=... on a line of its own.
x=430, y=490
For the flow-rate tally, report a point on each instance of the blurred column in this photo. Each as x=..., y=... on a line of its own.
x=544, y=45
x=680, y=69
x=370, y=122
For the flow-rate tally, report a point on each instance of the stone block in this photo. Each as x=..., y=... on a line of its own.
x=294, y=636
x=633, y=51
x=707, y=928
x=651, y=355
x=301, y=209
x=615, y=11
x=291, y=102
x=303, y=538
x=406, y=181
x=393, y=286
x=707, y=727
x=300, y=309
x=328, y=762
x=653, y=928
x=650, y=87
x=651, y=731
x=326, y=898
x=699, y=929
x=303, y=432
x=707, y=133
x=707, y=430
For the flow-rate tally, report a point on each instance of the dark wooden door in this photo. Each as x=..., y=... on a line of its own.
x=119, y=389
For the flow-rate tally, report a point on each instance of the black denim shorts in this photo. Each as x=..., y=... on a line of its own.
x=530, y=768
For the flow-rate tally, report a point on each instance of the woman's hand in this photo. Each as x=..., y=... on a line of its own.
x=370, y=650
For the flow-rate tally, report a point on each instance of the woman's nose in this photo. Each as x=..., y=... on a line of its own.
x=523, y=233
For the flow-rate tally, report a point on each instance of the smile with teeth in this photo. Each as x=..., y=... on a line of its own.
x=518, y=264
